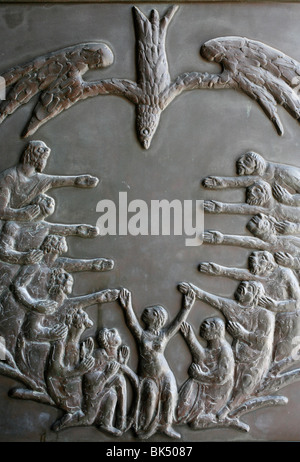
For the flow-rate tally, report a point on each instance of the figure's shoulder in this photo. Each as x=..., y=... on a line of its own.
x=10, y=227
x=8, y=176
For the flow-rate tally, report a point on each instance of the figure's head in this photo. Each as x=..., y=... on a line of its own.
x=250, y=163
x=261, y=262
x=78, y=319
x=249, y=292
x=212, y=328
x=147, y=119
x=46, y=205
x=96, y=55
x=259, y=193
x=155, y=317
x=60, y=282
x=109, y=338
x=262, y=226
x=36, y=155
x=54, y=244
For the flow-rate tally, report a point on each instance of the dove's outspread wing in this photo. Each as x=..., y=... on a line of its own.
x=265, y=74
x=57, y=77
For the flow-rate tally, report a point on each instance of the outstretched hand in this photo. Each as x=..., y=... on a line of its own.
x=284, y=259
x=213, y=182
x=213, y=206
x=125, y=298
x=86, y=181
x=213, y=237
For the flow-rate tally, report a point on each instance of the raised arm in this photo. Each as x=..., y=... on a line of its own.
x=222, y=182
x=188, y=302
x=228, y=307
x=83, y=301
x=215, y=237
x=196, y=349
x=73, y=265
x=130, y=317
x=79, y=181
x=214, y=269
x=239, y=208
x=85, y=231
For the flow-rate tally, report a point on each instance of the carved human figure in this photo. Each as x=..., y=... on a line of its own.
x=69, y=359
x=265, y=237
x=104, y=388
x=158, y=390
x=280, y=284
x=36, y=278
x=252, y=329
x=19, y=185
x=259, y=199
x=252, y=167
x=282, y=295
x=20, y=245
x=18, y=239
x=34, y=331
x=211, y=375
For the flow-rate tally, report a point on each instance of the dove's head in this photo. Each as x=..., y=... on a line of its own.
x=213, y=50
x=97, y=55
x=147, y=119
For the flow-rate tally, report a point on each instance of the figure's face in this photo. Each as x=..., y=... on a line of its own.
x=63, y=245
x=68, y=285
x=255, y=195
x=209, y=330
x=47, y=205
x=112, y=337
x=260, y=226
x=42, y=153
x=245, y=165
x=244, y=294
x=259, y=263
x=152, y=316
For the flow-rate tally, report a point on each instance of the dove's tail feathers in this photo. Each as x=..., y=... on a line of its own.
x=152, y=64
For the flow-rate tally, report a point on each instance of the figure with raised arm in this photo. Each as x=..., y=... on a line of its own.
x=19, y=185
x=265, y=236
x=158, y=395
x=37, y=331
x=282, y=295
x=104, y=388
x=211, y=375
x=259, y=199
x=252, y=329
x=252, y=167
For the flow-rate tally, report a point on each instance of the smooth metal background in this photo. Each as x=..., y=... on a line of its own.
x=200, y=133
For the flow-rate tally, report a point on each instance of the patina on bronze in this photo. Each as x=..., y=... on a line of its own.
x=117, y=377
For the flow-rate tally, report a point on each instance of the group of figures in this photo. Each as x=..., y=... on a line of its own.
x=263, y=318
x=42, y=326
